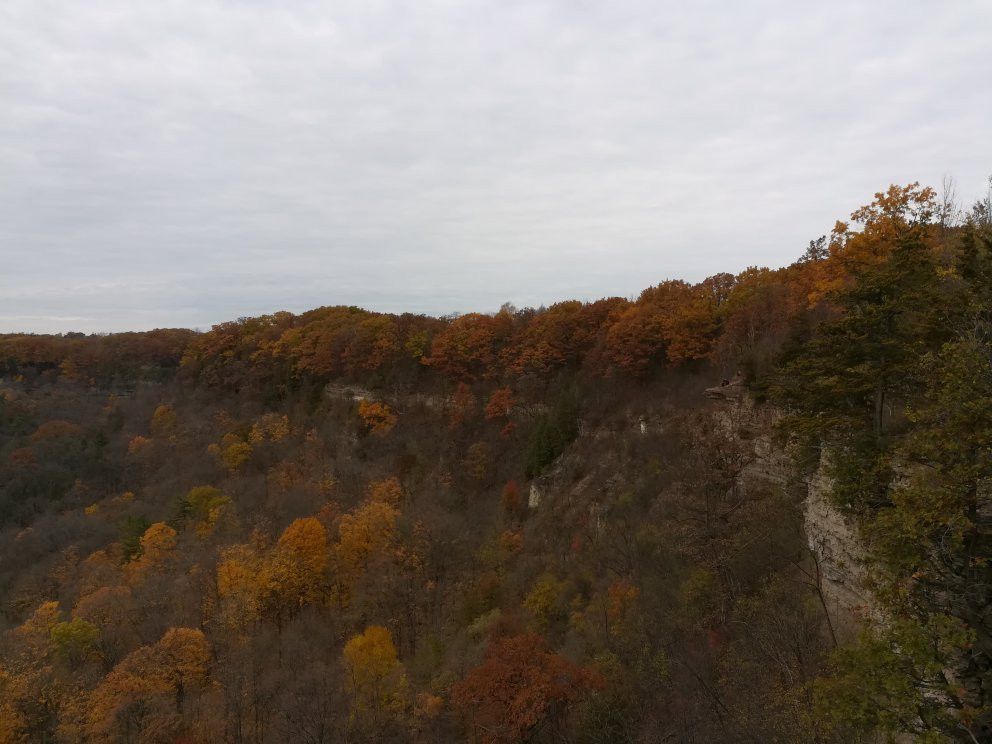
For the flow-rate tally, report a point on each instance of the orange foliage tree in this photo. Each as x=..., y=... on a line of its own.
x=243, y=579
x=893, y=214
x=462, y=406
x=56, y=429
x=298, y=564
x=469, y=347
x=389, y=491
x=500, y=404
x=674, y=321
x=152, y=688
x=30, y=695
x=378, y=417
x=157, y=550
x=559, y=337
x=110, y=608
x=373, y=344
x=758, y=312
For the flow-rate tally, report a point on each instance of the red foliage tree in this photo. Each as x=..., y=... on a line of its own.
x=511, y=497
x=521, y=686
x=462, y=406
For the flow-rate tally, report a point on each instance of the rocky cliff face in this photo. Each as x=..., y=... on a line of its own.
x=835, y=545
x=836, y=548
x=839, y=554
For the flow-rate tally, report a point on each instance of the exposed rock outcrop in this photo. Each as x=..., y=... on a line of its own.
x=839, y=554
x=730, y=390
x=835, y=545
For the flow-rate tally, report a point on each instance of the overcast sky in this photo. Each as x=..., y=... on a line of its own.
x=186, y=162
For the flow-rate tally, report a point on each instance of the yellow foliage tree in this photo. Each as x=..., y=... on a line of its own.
x=271, y=426
x=376, y=678
x=75, y=641
x=243, y=577
x=253, y=582
x=204, y=505
x=165, y=424
x=545, y=601
x=232, y=452
x=368, y=531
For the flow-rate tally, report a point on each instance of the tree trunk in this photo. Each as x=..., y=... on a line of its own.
x=879, y=407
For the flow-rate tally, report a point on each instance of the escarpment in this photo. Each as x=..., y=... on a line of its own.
x=836, y=549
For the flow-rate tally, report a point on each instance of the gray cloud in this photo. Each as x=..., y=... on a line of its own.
x=191, y=161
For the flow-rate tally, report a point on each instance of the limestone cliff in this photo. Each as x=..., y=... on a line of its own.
x=836, y=547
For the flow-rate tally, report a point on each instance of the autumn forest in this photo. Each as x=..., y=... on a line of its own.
x=531, y=525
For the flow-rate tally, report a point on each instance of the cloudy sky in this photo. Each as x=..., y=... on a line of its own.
x=185, y=162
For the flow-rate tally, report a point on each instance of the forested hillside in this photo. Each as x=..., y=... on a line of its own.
x=525, y=526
